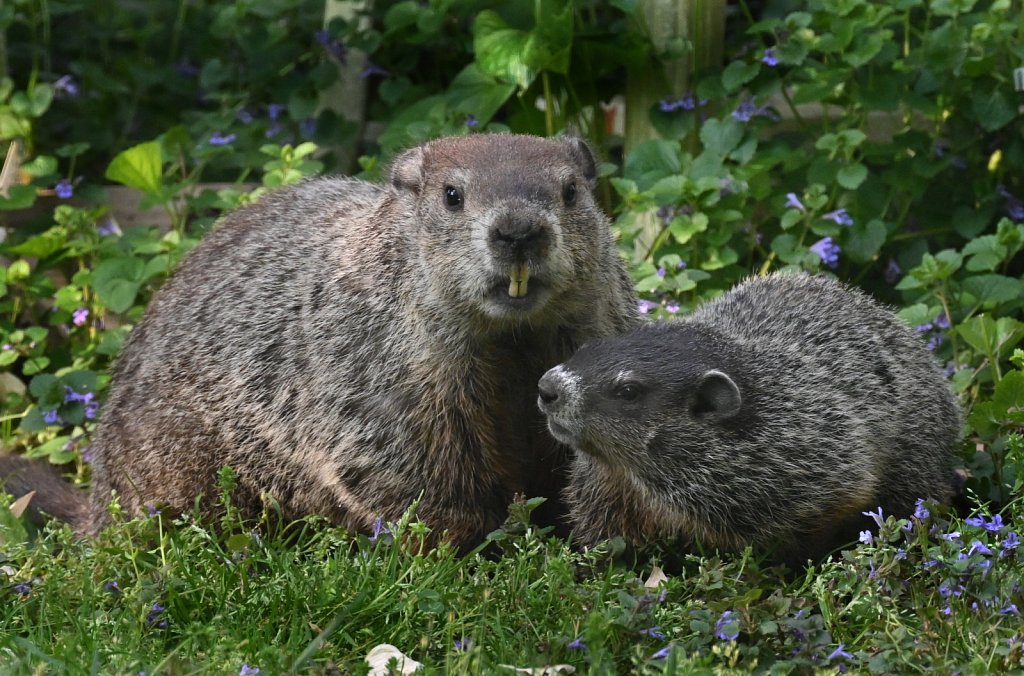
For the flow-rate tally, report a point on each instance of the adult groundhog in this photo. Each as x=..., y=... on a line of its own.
x=347, y=347
x=774, y=415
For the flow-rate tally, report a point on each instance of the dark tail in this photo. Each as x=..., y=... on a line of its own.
x=53, y=496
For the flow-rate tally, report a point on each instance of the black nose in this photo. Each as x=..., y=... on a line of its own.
x=549, y=397
x=518, y=235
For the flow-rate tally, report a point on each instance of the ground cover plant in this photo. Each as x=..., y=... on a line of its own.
x=905, y=180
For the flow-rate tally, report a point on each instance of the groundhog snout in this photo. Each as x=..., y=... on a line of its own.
x=556, y=391
x=519, y=236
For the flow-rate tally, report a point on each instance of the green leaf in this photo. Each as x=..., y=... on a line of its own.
x=500, y=50
x=852, y=175
x=476, y=93
x=739, y=73
x=18, y=197
x=952, y=7
x=1008, y=397
x=863, y=242
x=117, y=282
x=41, y=246
x=991, y=290
x=993, y=109
x=138, y=167
x=683, y=228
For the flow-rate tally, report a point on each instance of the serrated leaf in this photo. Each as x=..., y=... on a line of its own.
x=991, y=290
x=138, y=167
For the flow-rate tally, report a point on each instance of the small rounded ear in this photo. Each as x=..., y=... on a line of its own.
x=407, y=170
x=583, y=155
x=717, y=397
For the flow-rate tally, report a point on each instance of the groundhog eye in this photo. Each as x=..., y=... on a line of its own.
x=627, y=392
x=569, y=193
x=452, y=198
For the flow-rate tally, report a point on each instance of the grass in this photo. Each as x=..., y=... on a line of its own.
x=153, y=596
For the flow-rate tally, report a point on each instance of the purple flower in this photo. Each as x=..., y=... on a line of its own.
x=1010, y=542
x=947, y=610
x=70, y=395
x=108, y=227
x=22, y=588
x=976, y=521
x=653, y=632
x=273, y=130
x=934, y=341
x=274, y=110
x=471, y=121
x=65, y=86
x=920, y=511
x=877, y=517
x=248, y=671
x=769, y=58
x=927, y=326
x=951, y=537
x=1014, y=207
x=727, y=628
x=660, y=272
x=51, y=417
x=839, y=653
x=662, y=654
x=244, y=116
x=901, y=554
x=645, y=306
x=219, y=139
x=978, y=546
x=793, y=202
x=153, y=617
x=828, y=251
x=462, y=644
x=111, y=586
x=87, y=455
x=746, y=111
x=79, y=316
x=334, y=47
x=577, y=644
x=379, y=529
x=91, y=409
x=839, y=216
x=681, y=265
x=942, y=321
x=995, y=525
x=371, y=70
x=1009, y=609
x=7, y=346
x=64, y=189
x=152, y=511
x=865, y=537
x=893, y=272
x=686, y=102
x=672, y=307
x=308, y=127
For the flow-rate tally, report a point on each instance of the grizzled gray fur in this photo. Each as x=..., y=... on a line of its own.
x=774, y=415
x=346, y=347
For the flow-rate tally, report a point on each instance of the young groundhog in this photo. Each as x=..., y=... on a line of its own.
x=774, y=415
x=347, y=348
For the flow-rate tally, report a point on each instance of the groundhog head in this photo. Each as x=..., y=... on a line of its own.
x=666, y=407
x=505, y=226
x=643, y=398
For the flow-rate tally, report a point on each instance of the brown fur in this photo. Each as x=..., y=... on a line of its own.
x=348, y=347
